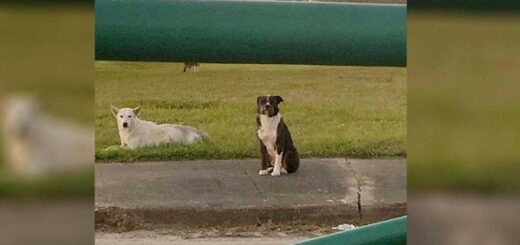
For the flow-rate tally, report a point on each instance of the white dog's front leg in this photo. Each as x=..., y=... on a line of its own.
x=277, y=165
x=123, y=144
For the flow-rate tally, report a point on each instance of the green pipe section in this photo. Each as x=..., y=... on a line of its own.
x=251, y=32
x=390, y=232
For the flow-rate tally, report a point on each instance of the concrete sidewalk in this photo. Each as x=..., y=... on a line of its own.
x=230, y=192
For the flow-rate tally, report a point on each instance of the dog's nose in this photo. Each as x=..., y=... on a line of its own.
x=125, y=124
x=267, y=107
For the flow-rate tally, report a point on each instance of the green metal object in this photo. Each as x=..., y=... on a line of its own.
x=389, y=232
x=251, y=32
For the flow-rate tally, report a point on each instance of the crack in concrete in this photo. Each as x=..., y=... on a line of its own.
x=358, y=182
x=251, y=179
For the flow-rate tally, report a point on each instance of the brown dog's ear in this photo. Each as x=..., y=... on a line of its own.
x=137, y=110
x=114, y=110
x=277, y=99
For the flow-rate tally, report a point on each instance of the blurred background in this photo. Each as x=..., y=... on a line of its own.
x=463, y=122
x=463, y=130
x=46, y=122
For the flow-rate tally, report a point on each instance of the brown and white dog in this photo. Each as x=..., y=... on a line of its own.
x=278, y=152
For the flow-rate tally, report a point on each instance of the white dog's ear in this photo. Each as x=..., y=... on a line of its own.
x=137, y=110
x=114, y=110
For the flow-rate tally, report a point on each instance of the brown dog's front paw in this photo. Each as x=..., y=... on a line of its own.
x=263, y=172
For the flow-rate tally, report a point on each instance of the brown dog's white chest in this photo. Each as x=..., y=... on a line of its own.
x=267, y=132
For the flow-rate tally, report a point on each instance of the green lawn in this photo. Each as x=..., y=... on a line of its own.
x=331, y=111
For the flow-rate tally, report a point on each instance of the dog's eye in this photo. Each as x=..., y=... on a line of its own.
x=129, y=116
x=121, y=116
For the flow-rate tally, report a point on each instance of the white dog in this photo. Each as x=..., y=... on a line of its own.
x=37, y=144
x=136, y=133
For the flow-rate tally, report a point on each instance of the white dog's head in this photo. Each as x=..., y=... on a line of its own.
x=125, y=116
x=19, y=114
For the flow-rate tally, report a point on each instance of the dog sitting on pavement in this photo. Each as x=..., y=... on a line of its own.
x=279, y=156
x=136, y=133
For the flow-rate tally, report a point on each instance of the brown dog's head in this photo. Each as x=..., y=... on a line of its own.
x=268, y=105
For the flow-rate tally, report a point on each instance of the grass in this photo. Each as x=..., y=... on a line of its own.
x=331, y=111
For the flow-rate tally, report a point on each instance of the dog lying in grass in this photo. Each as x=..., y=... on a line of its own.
x=136, y=133
x=37, y=144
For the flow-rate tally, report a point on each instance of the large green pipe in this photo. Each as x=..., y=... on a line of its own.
x=251, y=32
x=389, y=232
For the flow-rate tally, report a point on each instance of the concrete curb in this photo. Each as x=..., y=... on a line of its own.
x=230, y=193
